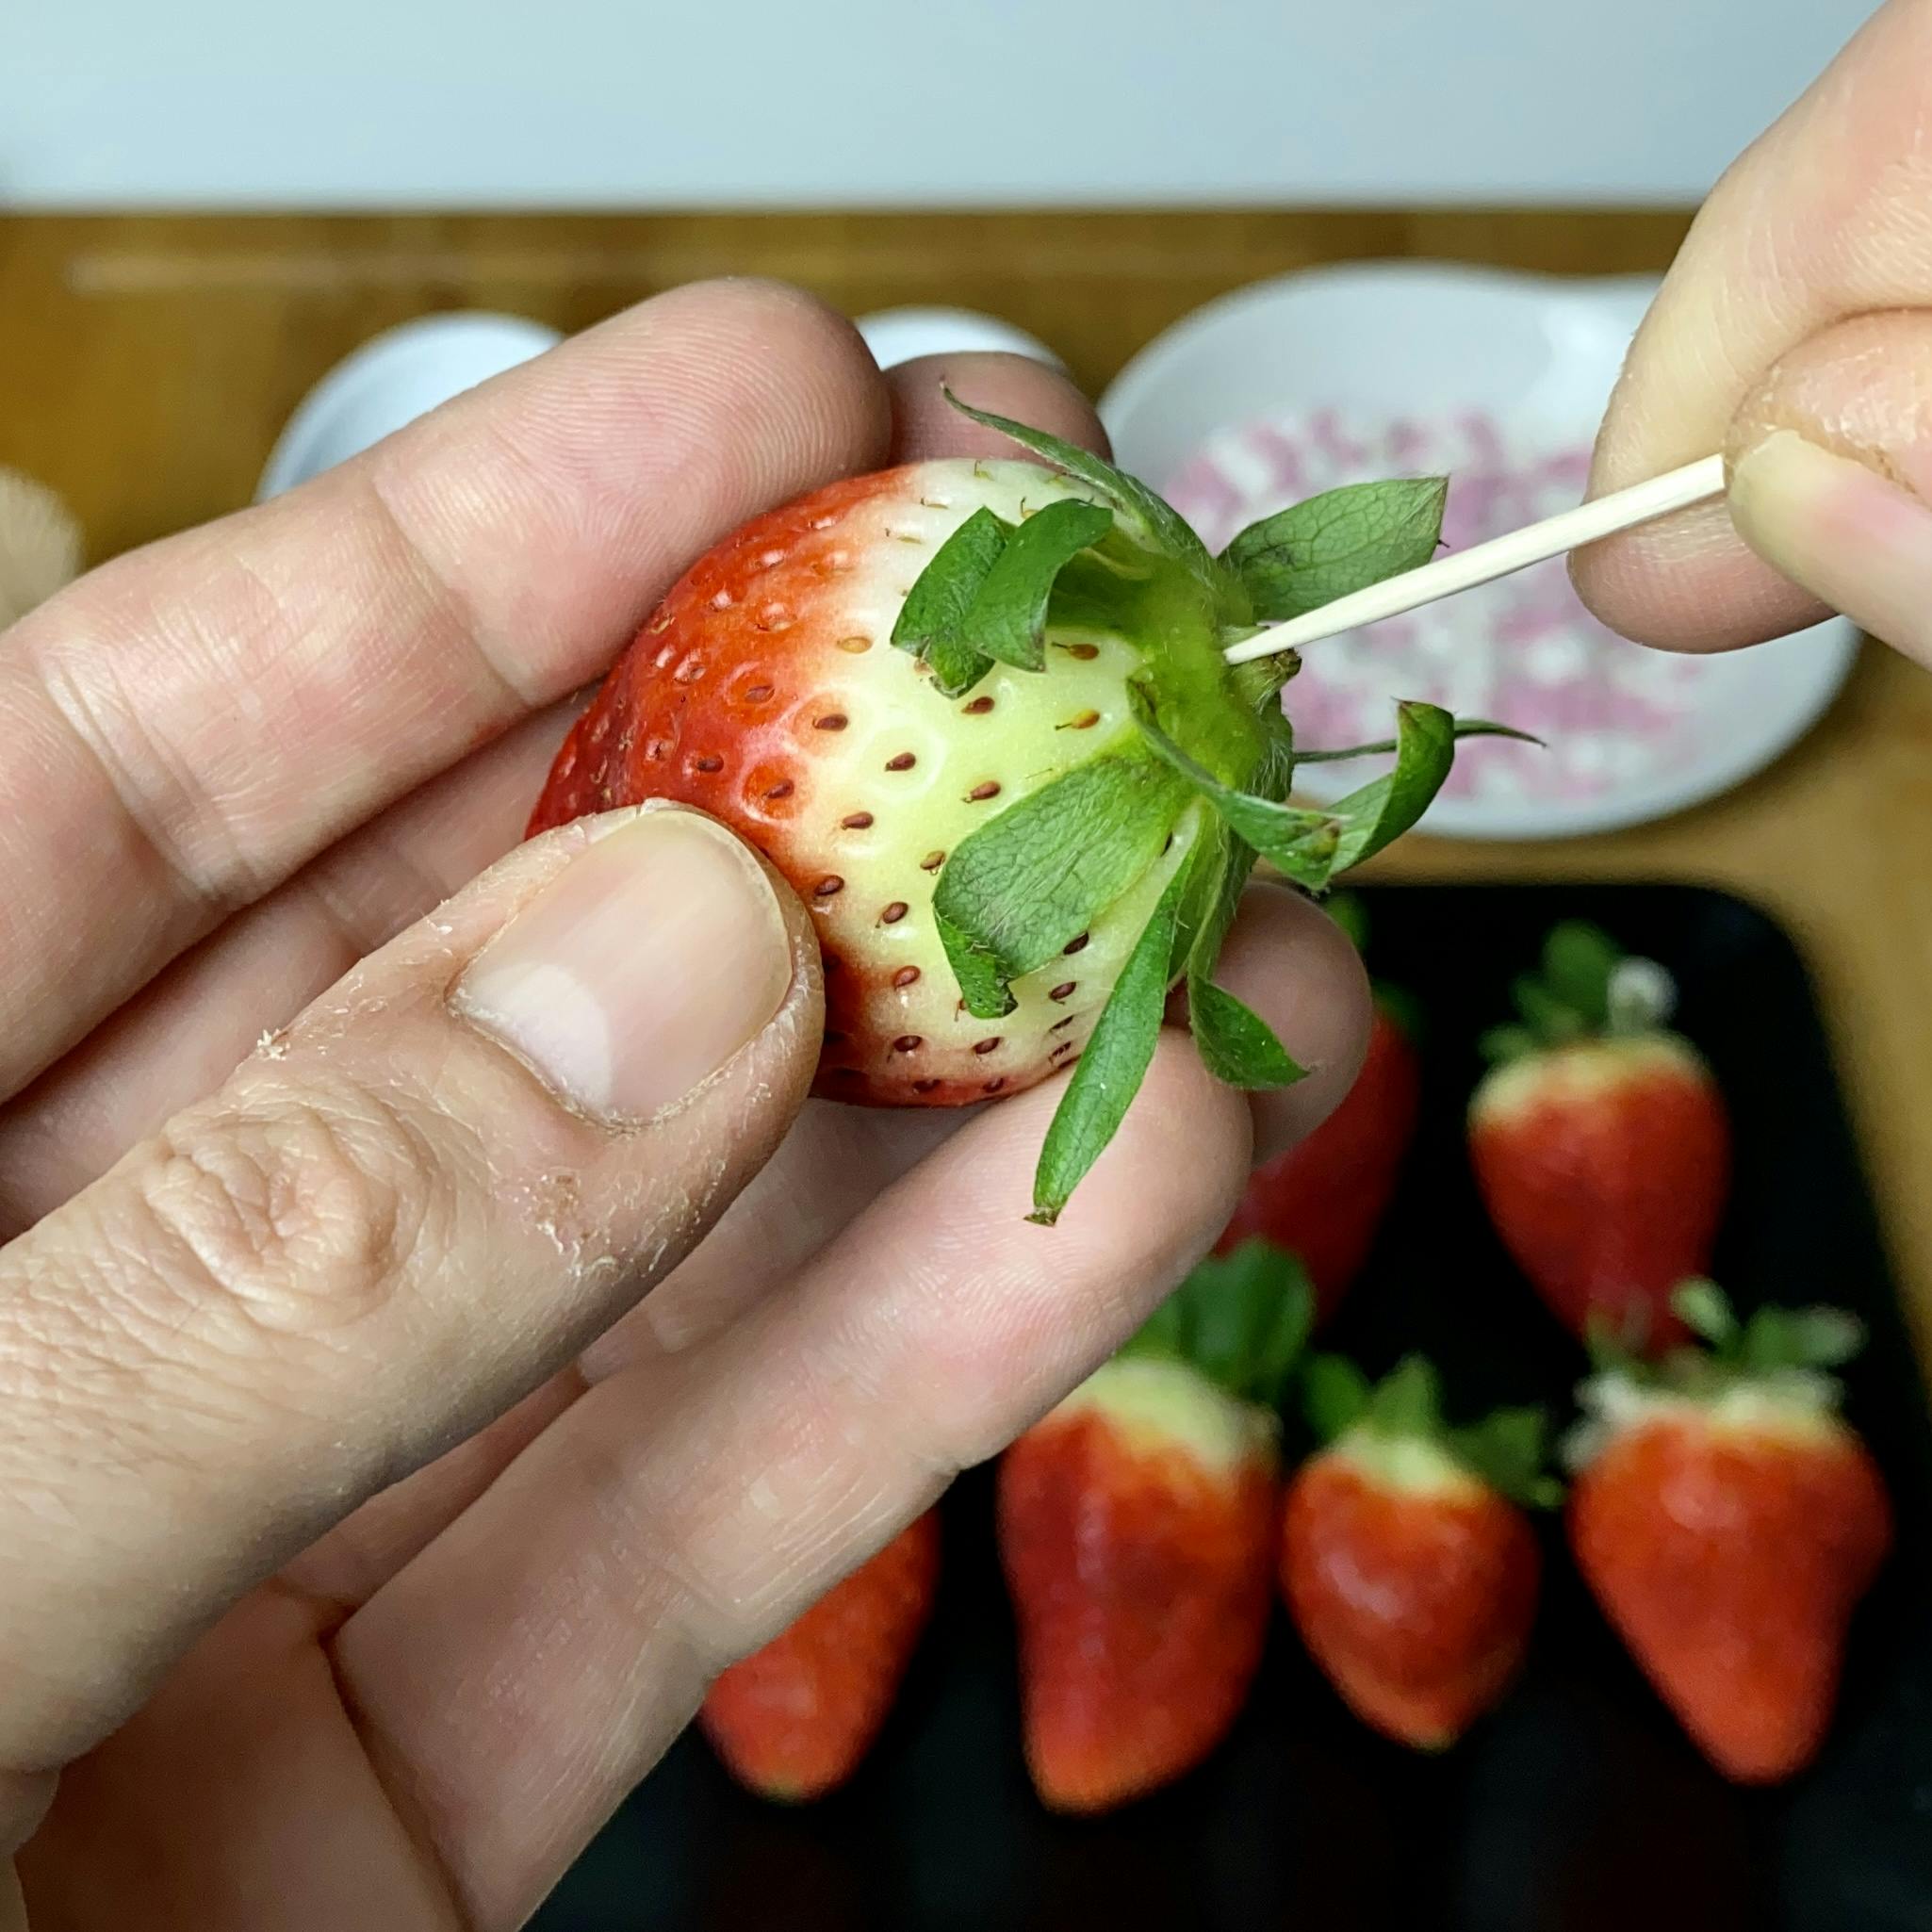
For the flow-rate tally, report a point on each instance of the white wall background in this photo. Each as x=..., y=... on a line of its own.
x=679, y=103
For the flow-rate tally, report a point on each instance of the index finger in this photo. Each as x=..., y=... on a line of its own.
x=189, y=726
x=1823, y=219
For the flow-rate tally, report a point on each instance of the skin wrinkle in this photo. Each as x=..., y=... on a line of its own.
x=507, y=697
x=1861, y=390
x=89, y=735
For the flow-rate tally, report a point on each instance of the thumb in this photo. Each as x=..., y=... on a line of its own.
x=1831, y=473
x=391, y=1222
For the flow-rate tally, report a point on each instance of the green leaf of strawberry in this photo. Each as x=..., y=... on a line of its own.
x=1335, y=1396
x=1237, y=1046
x=1299, y=844
x=1169, y=532
x=1586, y=987
x=1579, y=962
x=1007, y=619
x=1381, y=812
x=1707, y=1312
x=932, y=624
x=1109, y=1072
x=1342, y=541
x=1018, y=890
x=1508, y=1450
x=1464, y=728
x=1242, y=1320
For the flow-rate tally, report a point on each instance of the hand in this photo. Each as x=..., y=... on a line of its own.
x=1795, y=333
x=359, y=1552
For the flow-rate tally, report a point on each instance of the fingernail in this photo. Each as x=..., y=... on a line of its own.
x=634, y=976
x=1848, y=534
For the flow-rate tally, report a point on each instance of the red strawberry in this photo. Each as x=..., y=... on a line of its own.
x=794, y=1720
x=1409, y=1571
x=1600, y=1142
x=1324, y=1198
x=1040, y=807
x=1729, y=1520
x=1137, y=1528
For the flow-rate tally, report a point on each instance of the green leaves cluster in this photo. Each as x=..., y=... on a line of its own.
x=1585, y=987
x=1016, y=892
x=1242, y=1318
x=1773, y=1343
x=1508, y=1450
x=984, y=596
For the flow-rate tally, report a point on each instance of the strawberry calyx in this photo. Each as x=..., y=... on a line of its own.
x=1241, y=1320
x=1587, y=989
x=1195, y=780
x=1395, y=1431
x=1771, y=1372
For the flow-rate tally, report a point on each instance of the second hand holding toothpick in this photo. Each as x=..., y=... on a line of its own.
x=1696, y=483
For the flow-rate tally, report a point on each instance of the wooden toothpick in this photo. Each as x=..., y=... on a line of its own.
x=1463, y=569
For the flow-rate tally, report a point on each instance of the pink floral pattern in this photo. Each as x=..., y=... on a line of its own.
x=1523, y=650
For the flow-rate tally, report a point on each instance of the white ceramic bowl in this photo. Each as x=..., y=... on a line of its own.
x=899, y=334
x=1417, y=339
x=390, y=381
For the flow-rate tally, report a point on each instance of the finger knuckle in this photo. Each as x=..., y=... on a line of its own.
x=297, y=1218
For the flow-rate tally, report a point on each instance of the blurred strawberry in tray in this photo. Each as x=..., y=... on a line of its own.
x=1600, y=1142
x=1325, y=1198
x=1729, y=1520
x=1407, y=1562
x=795, y=1720
x=1136, y=1526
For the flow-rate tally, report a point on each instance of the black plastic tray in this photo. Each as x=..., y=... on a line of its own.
x=1578, y=1804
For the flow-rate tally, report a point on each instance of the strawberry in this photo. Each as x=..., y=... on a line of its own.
x=1324, y=1198
x=978, y=716
x=1600, y=1142
x=1137, y=1531
x=1405, y=1563
x=1729, y=1520
x=794, y=1720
